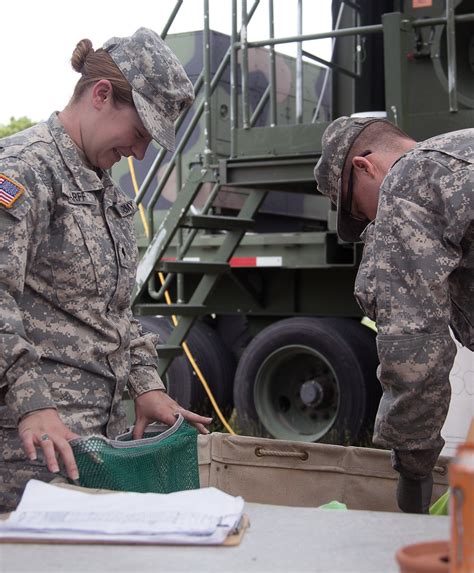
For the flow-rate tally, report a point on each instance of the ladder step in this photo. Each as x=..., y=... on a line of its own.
x=179, y=309
x=168, y=351
x=216, y=222
x=192, y=267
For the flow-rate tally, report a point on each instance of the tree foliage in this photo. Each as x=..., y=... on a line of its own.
x=15, y=125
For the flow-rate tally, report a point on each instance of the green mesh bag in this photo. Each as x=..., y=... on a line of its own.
x=163, y=461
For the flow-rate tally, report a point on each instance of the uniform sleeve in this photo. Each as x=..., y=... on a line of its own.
x=143, y=373
x=424, y=213
x=21, y=227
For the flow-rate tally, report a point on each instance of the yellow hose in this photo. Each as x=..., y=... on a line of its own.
x=173, y=317
x=197, y=369
x=135, y=188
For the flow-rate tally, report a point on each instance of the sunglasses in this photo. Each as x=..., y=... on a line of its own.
x=347, y=203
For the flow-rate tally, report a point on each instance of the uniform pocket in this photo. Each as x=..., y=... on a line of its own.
x=79, y=250
x=72, y=264
x=122, y=220
x=122, y=226
x=365, y=283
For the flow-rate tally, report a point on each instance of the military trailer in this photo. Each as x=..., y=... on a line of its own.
x=236, y=243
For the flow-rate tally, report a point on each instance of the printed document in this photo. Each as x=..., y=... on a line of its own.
x=200, y=516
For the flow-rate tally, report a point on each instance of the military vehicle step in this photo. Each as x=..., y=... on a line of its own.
x=177, y=309
x=168, y=351
x=163, y=309
x=216, y=222
x=192, y=267
x=292, y=174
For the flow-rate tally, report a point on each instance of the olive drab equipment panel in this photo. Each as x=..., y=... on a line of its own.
x=233, y=216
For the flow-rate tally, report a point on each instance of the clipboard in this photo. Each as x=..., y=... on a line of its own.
x=236, y=536
x=233, y=539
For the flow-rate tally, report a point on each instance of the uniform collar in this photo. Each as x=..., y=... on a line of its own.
x=87, y=179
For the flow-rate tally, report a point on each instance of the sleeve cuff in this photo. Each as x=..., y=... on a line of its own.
x=144, y=379
x=28, y=393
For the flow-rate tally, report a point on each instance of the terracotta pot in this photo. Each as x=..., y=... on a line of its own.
x=429, y=557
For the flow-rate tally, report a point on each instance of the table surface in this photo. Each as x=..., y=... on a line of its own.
x=280, y=539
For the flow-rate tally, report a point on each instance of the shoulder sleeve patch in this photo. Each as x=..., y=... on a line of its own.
x=10, y=191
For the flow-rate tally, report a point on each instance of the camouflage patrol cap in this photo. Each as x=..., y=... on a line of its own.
x=161, y=89
x=336, y=144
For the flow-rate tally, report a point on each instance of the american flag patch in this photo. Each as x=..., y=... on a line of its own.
x=9, y=191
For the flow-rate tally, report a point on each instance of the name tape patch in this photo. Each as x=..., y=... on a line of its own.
x=82, y=198
x=9, y=191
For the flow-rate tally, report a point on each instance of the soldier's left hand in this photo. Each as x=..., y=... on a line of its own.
x=156, y=405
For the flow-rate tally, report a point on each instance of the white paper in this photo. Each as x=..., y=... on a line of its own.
x=461, y=407
x=200, y=516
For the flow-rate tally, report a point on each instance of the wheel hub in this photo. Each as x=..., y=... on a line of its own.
x=311, y=393
x=296, y=393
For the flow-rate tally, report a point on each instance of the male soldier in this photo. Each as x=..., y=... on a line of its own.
x=412, y=205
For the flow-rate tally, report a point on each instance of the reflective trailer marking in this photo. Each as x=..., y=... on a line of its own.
x=240, y=261
x=256, y=262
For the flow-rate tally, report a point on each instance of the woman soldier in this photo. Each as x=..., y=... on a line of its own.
x=69, y=344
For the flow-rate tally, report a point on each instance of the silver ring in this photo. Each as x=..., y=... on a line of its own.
x=44, y=437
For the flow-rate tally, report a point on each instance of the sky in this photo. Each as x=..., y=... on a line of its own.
x=39, y=36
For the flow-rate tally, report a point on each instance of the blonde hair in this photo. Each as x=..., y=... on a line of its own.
x=95, y=65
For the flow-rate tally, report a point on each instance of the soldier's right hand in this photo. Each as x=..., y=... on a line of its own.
x=44, y=429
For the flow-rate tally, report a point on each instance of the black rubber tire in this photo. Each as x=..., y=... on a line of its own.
x=217, y=364
x=214, y=360
x=233, y=330
x=334, y=359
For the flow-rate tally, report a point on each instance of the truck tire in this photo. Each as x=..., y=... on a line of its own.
x=233, y=330
x=214, y=360
x=217, y=364
x=308, y=379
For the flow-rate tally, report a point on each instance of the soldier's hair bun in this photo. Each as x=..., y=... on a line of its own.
x=80, y=54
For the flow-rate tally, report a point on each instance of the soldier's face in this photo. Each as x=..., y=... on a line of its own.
x=117, y=132
x=360, y=196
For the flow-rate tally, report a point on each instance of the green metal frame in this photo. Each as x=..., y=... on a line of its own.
x=317, y=270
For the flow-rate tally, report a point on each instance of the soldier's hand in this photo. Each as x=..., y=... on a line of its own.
x=156, y=405
x=44, y=429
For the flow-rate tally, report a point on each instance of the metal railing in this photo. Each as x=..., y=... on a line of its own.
x=239, y=43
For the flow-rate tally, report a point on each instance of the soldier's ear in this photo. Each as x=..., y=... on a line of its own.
x=363, y=165
x=102, y=93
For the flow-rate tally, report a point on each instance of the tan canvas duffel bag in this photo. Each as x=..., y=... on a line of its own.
x=303, y=474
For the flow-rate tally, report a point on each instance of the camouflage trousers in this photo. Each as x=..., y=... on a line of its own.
x=415, y=464
x=16, y=470
x=13, y=478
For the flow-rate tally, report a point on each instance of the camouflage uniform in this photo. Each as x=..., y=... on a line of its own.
x=415, y=278
x=68, y=259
